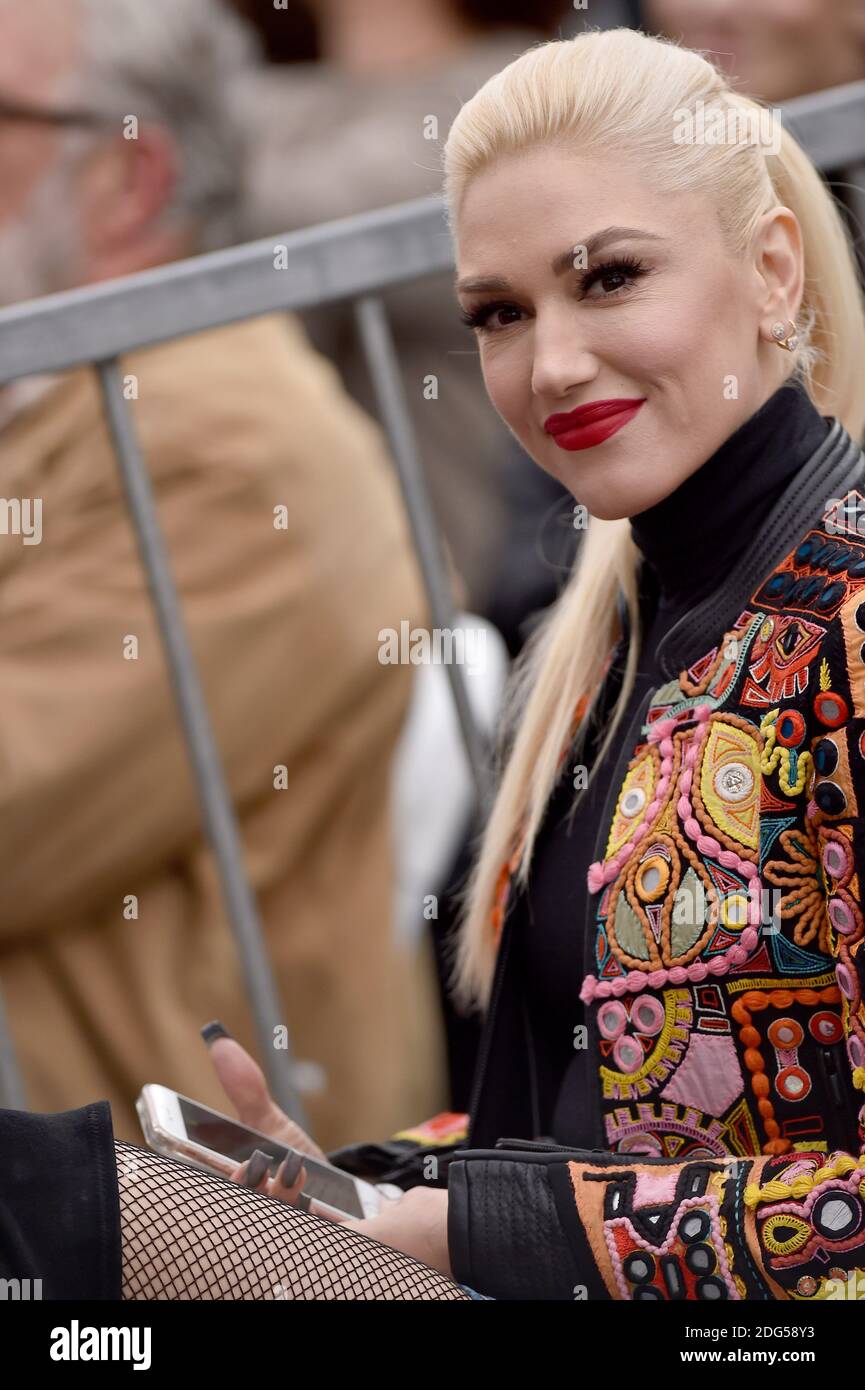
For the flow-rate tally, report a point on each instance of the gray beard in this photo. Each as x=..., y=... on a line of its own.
x=40, y=249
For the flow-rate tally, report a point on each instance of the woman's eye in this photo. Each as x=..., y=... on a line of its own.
x=612, y=280
x=502, y=318
x=491, y=318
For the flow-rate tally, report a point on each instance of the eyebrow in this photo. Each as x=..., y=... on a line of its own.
x=475, y=284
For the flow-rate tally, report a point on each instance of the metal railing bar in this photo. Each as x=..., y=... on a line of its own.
x=382, y=363
x=322, y=265
x=830, y=125
x=219, y=820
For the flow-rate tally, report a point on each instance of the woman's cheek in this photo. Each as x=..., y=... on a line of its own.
x=507, y=393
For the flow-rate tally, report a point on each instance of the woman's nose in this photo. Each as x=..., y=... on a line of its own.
x=562, y=360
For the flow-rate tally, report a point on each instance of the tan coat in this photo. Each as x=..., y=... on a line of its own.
x=96, y=798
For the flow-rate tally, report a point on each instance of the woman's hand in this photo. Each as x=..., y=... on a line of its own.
x=416, y=1223
x=244, y=1083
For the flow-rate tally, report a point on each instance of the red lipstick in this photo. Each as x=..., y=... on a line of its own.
x=591, y=424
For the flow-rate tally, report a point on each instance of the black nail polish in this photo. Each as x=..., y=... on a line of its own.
x=256, y=1168
x=211, y=1031
x=290, y=1169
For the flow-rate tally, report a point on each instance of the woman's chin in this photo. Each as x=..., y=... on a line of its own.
x=608, y=514
x=604, y=507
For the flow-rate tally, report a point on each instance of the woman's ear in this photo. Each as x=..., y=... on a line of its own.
x=779, y=261
x=126, y=186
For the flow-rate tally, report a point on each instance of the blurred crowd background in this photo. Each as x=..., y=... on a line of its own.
x=257, y=118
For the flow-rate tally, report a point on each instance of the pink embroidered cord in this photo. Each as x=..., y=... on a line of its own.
x=689, y=1204
x=605, y=871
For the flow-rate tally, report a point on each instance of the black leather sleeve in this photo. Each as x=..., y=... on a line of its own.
x=513, y=1228
x=59, y=1205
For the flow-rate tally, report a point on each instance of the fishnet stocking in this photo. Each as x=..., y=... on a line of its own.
x=195, y=1236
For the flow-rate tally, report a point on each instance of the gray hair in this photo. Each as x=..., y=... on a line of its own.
x=176, y=63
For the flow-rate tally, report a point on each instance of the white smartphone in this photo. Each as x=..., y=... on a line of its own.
x=183, y=1129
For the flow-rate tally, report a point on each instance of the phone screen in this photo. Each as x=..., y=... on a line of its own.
x=228, y=1137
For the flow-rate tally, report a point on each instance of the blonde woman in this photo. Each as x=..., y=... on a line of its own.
x=665, y=919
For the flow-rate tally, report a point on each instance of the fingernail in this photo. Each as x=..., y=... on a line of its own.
x=256, y=1169
x=211, y=1031
x=290, y=1169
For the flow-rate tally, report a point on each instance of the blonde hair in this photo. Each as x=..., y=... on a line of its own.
x=619, y=90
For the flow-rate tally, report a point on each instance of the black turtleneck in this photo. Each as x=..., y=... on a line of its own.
x=693, y=537
x=688, y=541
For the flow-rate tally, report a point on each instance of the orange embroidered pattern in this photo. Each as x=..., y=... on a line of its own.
x=755, y=1001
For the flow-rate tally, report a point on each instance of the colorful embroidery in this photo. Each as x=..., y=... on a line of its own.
x=708, y=1077
x=817, y=577
x=669, y=1130
x=639, y=790
x=691, y=901
x=809, y=1225
x=805, y=903
x=853, y=626
x=784, y=1227
x=658, y=1235
x=783, y=734
x=728, y=858
x=714, y=673
x=792, y=1083
x=645, y=1039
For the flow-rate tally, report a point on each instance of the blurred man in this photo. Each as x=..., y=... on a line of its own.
x=281, y=516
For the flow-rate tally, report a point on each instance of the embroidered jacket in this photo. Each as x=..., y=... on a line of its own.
x=724, y=988
x=725, y=964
